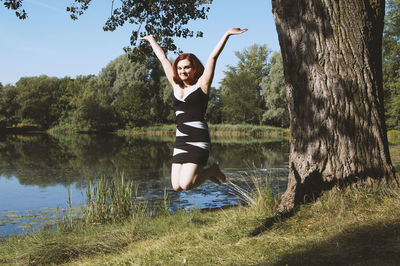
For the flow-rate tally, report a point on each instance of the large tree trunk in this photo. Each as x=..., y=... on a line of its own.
x=331, y=52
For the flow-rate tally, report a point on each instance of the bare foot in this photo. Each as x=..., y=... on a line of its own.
x=218, y=173
x=215, y=180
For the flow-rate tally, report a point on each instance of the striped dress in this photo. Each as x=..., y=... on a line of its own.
x=192, y=144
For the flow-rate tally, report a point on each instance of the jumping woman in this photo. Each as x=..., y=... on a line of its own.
x=191, y=81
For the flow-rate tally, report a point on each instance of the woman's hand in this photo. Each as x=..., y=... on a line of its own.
x=208, y=74
x=147, y=38
x=234, y=31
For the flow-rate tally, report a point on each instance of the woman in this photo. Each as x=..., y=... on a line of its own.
x=191, y=83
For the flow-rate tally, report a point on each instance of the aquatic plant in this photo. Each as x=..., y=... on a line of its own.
x=111, y=200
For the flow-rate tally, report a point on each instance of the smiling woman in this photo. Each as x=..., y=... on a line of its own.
x=187, y=67
x=191, y=83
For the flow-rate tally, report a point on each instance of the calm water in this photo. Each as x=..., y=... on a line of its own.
x=36, y=172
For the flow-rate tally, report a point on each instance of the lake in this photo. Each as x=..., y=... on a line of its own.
x=38, y=172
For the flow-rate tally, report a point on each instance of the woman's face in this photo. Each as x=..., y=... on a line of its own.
x=185, y=71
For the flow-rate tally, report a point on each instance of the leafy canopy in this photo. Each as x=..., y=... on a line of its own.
x=17, y=6
x=391, y=64
x=274, y=92
x=165, y=19
x=241, y=92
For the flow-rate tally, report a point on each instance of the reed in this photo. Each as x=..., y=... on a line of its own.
x=65, y=217
x=70, y=211
x=112, y=201
x=163, y=207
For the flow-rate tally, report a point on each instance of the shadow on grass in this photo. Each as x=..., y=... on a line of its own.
x=377, y=244
x=270, y=221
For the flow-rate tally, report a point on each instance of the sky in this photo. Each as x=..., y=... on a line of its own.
x=49, y=43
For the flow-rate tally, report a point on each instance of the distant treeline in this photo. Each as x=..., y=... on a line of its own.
x=128, y=94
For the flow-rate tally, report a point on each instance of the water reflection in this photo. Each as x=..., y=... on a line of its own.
x=36, y=169
x=44, y=160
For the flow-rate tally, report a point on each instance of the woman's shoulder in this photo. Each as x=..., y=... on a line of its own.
x=175, y=86
x=203, y=87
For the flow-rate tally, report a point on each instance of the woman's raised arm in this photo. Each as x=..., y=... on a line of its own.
x=162, y=57
x=208, y=74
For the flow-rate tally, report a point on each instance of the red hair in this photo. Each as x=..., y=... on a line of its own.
x=196, y=65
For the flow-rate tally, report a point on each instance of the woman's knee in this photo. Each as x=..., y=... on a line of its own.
x=186, y=185
x=175, y=176
x=183, y=177
x=188, y=177
x=176, y=187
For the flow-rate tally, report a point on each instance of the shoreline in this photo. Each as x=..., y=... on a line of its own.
x=216, y=131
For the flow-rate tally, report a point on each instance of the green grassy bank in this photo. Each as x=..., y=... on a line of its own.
x=218, y=130
x=357, y=226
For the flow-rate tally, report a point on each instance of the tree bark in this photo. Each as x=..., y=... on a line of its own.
x=332, y=61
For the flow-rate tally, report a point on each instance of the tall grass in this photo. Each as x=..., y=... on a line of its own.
x=112, y=201
x=257, y=193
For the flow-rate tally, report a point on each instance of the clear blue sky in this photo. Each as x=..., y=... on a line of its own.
x=49, y=43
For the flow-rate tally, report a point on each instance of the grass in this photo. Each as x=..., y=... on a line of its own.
x=394, y=136
x=110, y=201
x=235, y=131
x=160, y=130
x=356, y=226
x=244, y=130
x=62, y=129
x=239, y=130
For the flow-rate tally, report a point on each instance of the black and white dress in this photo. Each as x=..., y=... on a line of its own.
x=192, y=144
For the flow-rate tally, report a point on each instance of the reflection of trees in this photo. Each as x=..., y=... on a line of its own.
x=32, y=159
x=137, y=154
x=260, y=155
x=96, y=155
x=45, y=160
